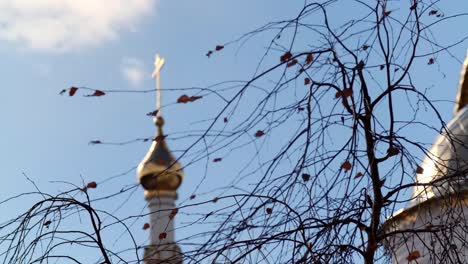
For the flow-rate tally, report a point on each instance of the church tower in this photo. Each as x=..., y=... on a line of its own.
x=434, y=226
x=160, y=174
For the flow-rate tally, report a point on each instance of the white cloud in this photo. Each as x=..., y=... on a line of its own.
x=60, y=25
x=133, y=71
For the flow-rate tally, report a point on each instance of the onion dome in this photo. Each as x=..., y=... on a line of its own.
x=159, y=172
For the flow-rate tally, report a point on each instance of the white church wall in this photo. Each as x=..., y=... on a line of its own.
x=433, y=232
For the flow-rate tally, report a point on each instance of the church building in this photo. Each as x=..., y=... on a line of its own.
x=433, y=228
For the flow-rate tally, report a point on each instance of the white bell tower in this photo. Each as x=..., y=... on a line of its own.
x=160, y=174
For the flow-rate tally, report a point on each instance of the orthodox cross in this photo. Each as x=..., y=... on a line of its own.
x=158, y=64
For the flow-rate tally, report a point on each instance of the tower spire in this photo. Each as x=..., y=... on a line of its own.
x=160, y=174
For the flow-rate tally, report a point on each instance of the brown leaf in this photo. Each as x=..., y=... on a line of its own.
x=413, y=255
x=338, y=94
x=225, y=120
x=305, y=177
x=146, y=226
x=173, y=213
x=153, y=113
x=346, y=166
x=47, y=223
x=382, y=67
x=208, y=54
x=419, y=170
x=72, y=91
x=433, y=12
x=259, y=133
x=162, y=236
x=306, y=81
x=96, y=93
x=94, y=142
x=431, y=61
x=309, y=58
x=347, y=92
x=358, y=175
x=269, y=210
x=63, y=91
x=219, y=47
x=192, y=196
x=286, y=56
x=91, y=185
x=291, y=63
x=217, y=159
x=365, y=47
x=215, y=200
x=183, y=99
x=186, y=99
x=387, y=13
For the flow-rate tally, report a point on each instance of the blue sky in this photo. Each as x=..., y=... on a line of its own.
x=50, y=45
x=46, y=135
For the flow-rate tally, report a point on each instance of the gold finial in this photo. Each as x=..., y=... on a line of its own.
x=462, y=94
x=159, y=121
x=158, y=64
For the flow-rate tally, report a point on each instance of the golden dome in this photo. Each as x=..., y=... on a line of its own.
x=159, y=172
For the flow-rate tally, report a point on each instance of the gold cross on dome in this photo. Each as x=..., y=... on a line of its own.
x=158, y=64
